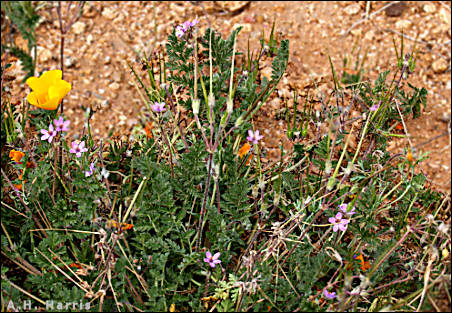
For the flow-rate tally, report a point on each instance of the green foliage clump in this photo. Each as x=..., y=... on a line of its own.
x=129, y=225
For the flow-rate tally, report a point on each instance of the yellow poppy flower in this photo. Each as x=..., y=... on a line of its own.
x=48, y=90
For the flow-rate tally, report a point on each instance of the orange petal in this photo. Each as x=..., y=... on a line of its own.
x=248, y=161
x=149, y=126
x=365, y=266
x=244, y=149
x=126, y=226
x=409, y=156
x=51, y=104
x=16, y=156
x=359, y=257
x=75, y=265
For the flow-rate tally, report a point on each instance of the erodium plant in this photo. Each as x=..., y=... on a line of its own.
x=186, y=216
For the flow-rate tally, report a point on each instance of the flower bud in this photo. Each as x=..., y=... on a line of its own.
x=229, y=106
x=239, y=121
x=211, y=100
x=195, y=104
x=328, y=167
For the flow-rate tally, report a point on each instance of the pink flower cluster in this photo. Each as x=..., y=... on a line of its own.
x=158, y=107
x=185, y=27
x=339, y=222
x=60, y=126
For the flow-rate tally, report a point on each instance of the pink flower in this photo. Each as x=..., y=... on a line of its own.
x=339, y=222
x=212, y=260
x=343, y=208
x=180, y=31
x=48, y=134
x=186, y=25
x=91, y=170
x=375, y=107
x=78, y=148
x=158, y=107
x=254, y=137
x=329, y=295
x=61, y=125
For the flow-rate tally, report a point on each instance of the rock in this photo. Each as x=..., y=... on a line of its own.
x=429, y=8
x=69, y=61
x=79, y=27
x=233, y=6
x=403, y=24
x=369, y=35
x=114, y=86
x=356, y=32
x=352, y=9
x=260, y=19
x=109, y=13
x=44, y=54
x=107, y=60
x=445, y=16
x=267, y=72
x=275, y=103
x=395, y=9
x=89, y=11
x=445, y=118
x=89, y=39
x=117, y=77
x=105, y=104
x=439, y=66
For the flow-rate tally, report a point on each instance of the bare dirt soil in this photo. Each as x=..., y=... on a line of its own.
x=110, y=33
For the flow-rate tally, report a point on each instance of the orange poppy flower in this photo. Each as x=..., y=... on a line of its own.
x=409, y=155
x=399, y=126
x=124, y=226
x=149, y=126
x=364, y=264
x=20, y=186
x=75, y=265
x=16, y=156
x=244, y=150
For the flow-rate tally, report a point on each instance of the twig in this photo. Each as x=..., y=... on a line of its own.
x=22, y=290
x=369, y=17
x=23, y=203
x=209, y=174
